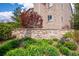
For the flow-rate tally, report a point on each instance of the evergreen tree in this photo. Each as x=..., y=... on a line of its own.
x=76, y=17
x=16, y=16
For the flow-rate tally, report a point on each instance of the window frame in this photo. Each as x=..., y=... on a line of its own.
x=50, y=18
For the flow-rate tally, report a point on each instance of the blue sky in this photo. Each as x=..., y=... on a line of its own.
x=9, y=7
x=12, y=6
x=6, y=9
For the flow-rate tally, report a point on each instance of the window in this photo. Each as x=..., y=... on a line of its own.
x=50, y=18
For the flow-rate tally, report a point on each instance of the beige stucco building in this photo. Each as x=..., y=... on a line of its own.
x=54, y=15
x=56, y=21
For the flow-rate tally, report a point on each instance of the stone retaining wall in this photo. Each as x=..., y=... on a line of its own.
x=38, y=33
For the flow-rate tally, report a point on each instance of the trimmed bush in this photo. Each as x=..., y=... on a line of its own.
x=42, y=50
x=68, y=35
x=50, y=41
x=76, y=35
x=58, y=45
x=16, y=52
x=8, y=45
x=30, y=41
x=33, y=50
x=6, y=29
x=75, y=53
x=44, y=42
x=55, y=39
x=70, y=45
x=65, y=51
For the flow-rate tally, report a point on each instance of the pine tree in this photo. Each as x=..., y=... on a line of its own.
x=16, y=16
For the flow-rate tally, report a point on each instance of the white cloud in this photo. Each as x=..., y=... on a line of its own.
x=6, y=16
x=6, y=13
x=27, y=5
x=30, y=5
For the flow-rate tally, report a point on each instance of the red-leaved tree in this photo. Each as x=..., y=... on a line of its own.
x=30, y=19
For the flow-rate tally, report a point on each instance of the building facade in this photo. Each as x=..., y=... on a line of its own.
x=54, y=15
x=56, y=21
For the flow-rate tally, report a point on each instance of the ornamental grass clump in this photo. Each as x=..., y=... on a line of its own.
x=70, y=45
x=8, y=45
x=34, y=50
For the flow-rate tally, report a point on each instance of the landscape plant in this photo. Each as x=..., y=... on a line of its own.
x=33, y=50
x=8, y=45
x=70, y=45
x=65, y=51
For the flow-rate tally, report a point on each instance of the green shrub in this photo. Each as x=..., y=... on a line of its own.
x=70, y=45
x=27, y=38
x=43, y=50
x=68, y=35
x=55, y=39
x=16, y=52
x=76, y=35
x=30, y=41
x=37, y=43
x=33, y=50
x=65, y=51
x=50, y=42
x=8, y=45
x=75, y=53
x=59, y=45
x=5, y=30
x=44, y=42
x=63, y=40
